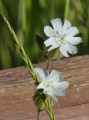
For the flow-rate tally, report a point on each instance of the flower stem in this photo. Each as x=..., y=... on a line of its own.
x=66, y=9
x=39, y=115
x=48, y=65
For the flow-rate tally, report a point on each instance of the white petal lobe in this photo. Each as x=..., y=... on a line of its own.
x=49, y=31
x=53, y=47
x=74, y=40
x=41, y=86
x=53, y=96
x=62, y=85
x=57, y=24
x=54, y=75
x=72, y=31
x=72, y=49
x=66, y=25
x=40, y=73
x=59, y=92
x=50, y=41
x=63, y=50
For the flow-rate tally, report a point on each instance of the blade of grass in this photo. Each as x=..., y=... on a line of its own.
x=21, y=50
x=66, y=9
x=29, y=65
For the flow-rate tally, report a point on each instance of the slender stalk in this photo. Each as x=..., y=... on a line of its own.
x=29, y=65
x=48, y=65
x=39, y=115
x=66, y=9
x=22, y=51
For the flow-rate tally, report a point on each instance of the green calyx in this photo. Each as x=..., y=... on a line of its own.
x=48, y=55
x=40, y=99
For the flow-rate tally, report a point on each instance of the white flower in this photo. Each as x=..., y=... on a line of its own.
x=51, y=83
x=62, y=37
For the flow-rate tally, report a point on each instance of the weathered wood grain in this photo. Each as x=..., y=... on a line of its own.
x=17, y=89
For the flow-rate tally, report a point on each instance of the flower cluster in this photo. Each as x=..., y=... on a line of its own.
x=61, y=37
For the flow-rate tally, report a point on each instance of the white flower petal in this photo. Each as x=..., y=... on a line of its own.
x=41, y=86
x=63, y=50
x=66, y=25
x=46, y=73
x=49, y=31
x=40, y=73
x=62, y=85
x=53, y=96
x=72, y=31
x=61, y=78
x=59, y=92
x=54, y=75
x=50, y=41
x=71, y=49
x=55, y=83
x=45, y=91
x=53, y=47
x=74, y=40
x=57, y=24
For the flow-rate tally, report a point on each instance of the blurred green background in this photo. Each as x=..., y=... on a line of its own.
x=28, y=18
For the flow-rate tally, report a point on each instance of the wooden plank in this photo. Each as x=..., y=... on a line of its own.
x=17, y=88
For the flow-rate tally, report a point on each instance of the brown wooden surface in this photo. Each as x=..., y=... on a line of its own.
x=17, y=88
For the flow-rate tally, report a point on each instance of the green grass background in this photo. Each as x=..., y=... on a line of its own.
x=28, y=18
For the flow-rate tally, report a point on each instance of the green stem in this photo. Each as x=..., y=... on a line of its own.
x=49, y=110
x=48, y=65
x=66, y=9
x=38, y=115
x=22, y=51
x=29, y=65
